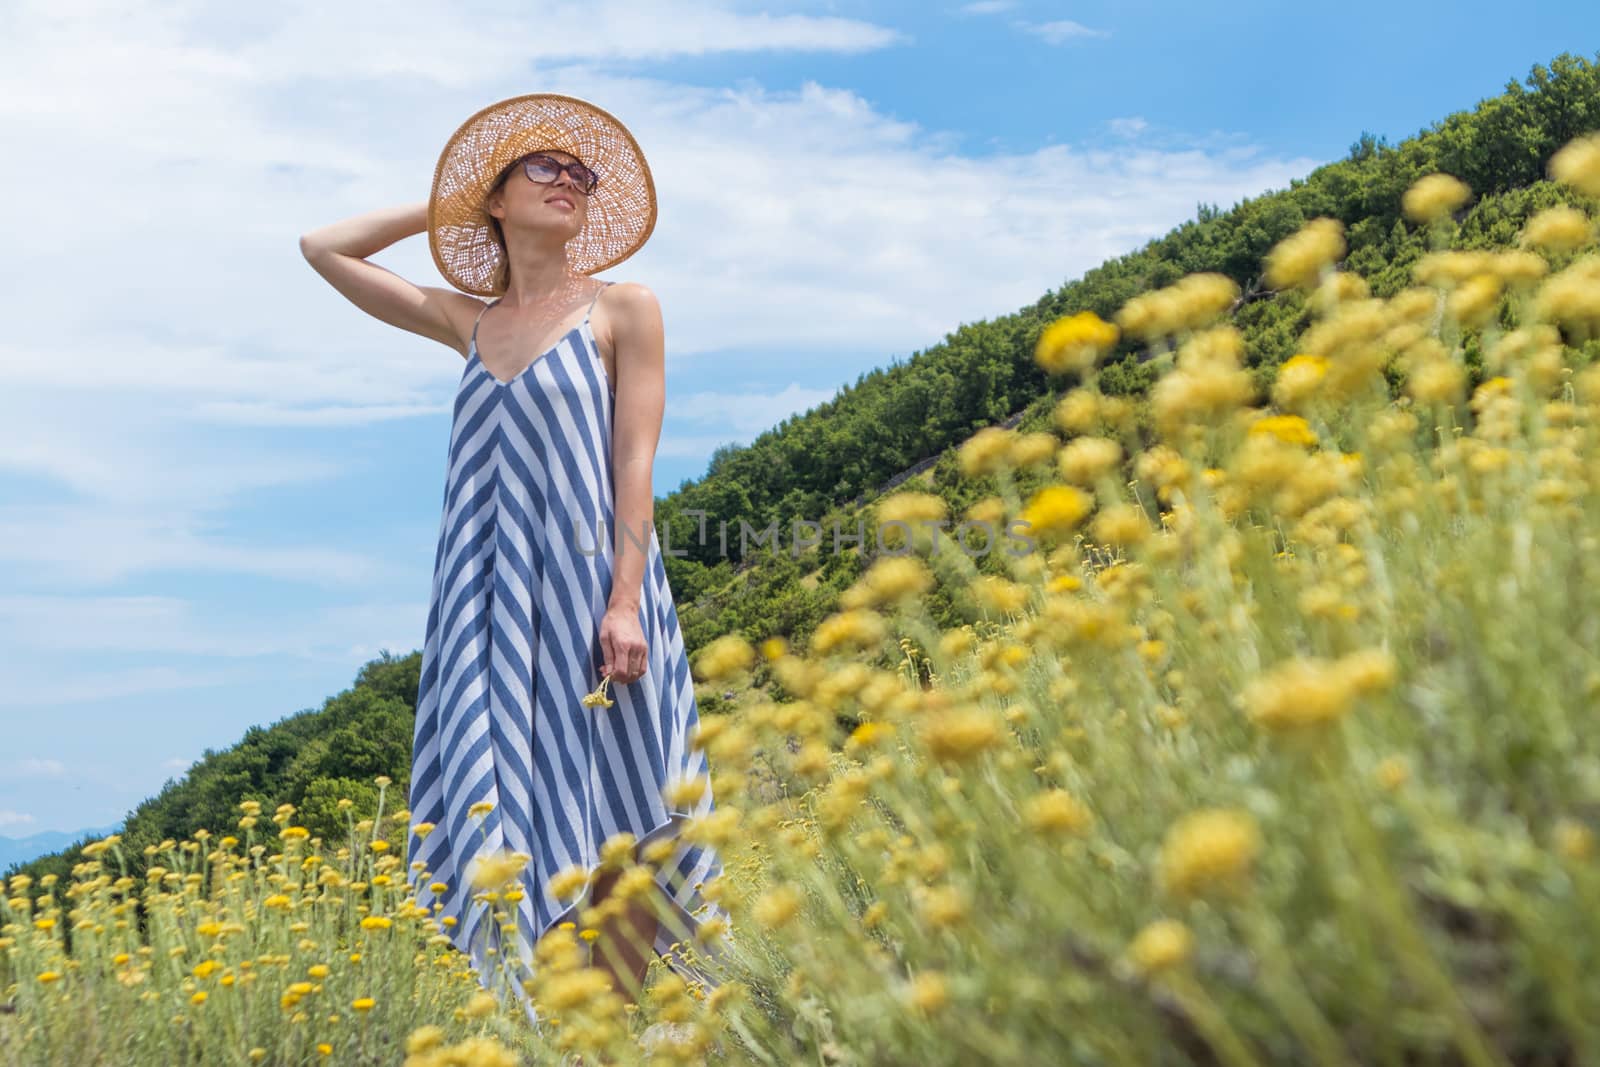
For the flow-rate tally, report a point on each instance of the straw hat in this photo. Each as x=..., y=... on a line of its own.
x=621, y=210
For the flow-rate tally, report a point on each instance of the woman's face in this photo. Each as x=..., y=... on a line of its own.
x=560, y=204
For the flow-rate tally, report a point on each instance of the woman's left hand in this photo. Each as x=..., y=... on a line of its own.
x=622, y=645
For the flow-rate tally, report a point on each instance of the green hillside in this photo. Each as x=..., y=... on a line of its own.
x=834, y=463
x=831, y=461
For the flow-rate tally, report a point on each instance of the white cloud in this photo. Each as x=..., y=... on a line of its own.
x=748, y=412
x=91, y=544
x=1061, y=30
x=91, y=625
x=9, y=819
x=987, y=7
x=36, y=767
x=178, y=358
x=48, y=688
x=208, y=324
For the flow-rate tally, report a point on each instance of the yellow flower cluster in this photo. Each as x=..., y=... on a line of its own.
x=724, y=658
x=1208, y=851
x=1434, y=197
x=1074, y=343
x=1311, y=692
x=892, y=580
x=1056, y=510
x=1085, y=460
x=1298, y=261
x=496, y=870
x=1559, y=229
x=1577, y=164
x=986, y=451
x=1192, y=303
x=1208, y=384
x=1571, y=297
x=1160, y=946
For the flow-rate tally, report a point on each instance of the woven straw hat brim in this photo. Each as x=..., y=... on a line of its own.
x=621, y=211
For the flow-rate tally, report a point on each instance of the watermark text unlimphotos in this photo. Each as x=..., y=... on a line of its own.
x=975, y=537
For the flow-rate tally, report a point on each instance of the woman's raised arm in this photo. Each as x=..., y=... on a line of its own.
x=338, y=252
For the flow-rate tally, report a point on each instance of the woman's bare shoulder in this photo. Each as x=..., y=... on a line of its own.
x=632, y=303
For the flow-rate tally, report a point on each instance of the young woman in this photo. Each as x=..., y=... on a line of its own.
x=548, y=575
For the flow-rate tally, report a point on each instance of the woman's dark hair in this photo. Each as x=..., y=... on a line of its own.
x=494, y=223
x=502, y=275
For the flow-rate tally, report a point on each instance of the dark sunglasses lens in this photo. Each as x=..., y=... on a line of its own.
x=542, y=168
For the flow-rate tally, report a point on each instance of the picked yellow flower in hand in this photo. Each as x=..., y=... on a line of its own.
x=598, y=698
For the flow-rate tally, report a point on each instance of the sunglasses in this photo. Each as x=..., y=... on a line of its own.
x=545, y=169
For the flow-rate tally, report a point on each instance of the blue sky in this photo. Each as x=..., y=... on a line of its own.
x=220, y=482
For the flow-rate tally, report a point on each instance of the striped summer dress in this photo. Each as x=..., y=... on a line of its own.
x=522, y=577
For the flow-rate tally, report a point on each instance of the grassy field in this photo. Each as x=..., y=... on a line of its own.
x=1276, y=747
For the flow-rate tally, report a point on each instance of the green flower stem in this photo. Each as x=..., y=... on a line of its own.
x=1210, y=1021
x=1413, y=953
x=1285, y=989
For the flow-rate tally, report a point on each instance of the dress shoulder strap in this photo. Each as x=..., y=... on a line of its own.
x=596, y=299
x=479, y=319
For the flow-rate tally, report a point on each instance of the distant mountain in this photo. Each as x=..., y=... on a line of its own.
x=15, y=850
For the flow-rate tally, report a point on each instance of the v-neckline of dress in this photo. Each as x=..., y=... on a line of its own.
x=540, y=358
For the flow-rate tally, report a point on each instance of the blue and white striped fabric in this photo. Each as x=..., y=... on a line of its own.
x=522, y=578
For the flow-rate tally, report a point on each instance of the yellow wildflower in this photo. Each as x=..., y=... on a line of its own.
x=1074, y=343
x=1057, y=811
x=1311, y=691
x=1434, y=196
x=1574, y=840
x=1290, y=429
x=1207, y=850
x=1160, y=946
x=855, y=627
x=942, y=906
x=959, y=734
x=929, y=992
x=1559, y=229
x=1120, y=524
x=424, y=1039
x=1078, y=411
x=777, y=907
x=891, y=580
x=1057, y=509
x=1571, y=297
x=986, y=451
x=497, y=869
x=1437, y=381
x=723, y=658
x=1475, y=302
x=1000, y=595
x=1577, y=164
x=598, y=698
x=1298, y=377
x=912, y=508
x=1034, y=448
x=1085, y=459
x=1298, y=260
